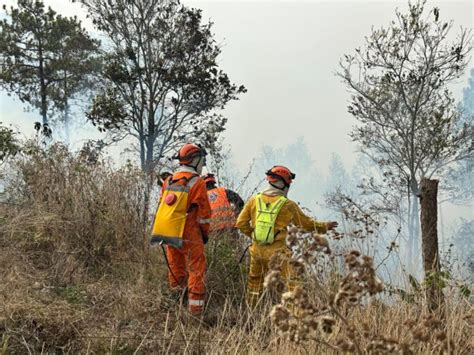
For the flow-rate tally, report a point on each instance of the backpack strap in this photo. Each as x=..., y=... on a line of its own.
x=186, y=187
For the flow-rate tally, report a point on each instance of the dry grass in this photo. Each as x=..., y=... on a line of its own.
x=77, y=276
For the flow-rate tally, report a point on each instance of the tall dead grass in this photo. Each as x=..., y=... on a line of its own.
x=77, y=276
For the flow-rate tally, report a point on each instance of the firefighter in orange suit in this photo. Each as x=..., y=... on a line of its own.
x=225, y=205
x=182, y=223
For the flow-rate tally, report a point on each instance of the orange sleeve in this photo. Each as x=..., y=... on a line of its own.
x=201, y=200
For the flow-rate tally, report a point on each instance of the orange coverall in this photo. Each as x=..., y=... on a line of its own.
x=190, y=259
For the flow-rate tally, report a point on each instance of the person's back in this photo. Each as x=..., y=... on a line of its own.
x=225, y=205
x=182, y=223
x=290, y=213
x=265, y=218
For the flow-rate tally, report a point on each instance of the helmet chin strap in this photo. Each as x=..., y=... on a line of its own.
x=278, y=185
x=197, y=166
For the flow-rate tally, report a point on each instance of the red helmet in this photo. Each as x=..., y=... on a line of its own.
x=280, y=173
x=209, y=178
x=188, y=152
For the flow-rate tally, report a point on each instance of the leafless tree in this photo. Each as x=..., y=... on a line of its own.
x=407, y=117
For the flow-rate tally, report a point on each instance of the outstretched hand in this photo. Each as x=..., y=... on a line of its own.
x=332, y=225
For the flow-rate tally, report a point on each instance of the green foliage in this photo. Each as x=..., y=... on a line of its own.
x=9, y=145
x=72, y=294
x=437, y=279
x=162, y=79
x=405, y=296
x=224, y=273
x=414, y=283
x=5, y=344
x=465, y=291
x=108, y=111
x=45, y=57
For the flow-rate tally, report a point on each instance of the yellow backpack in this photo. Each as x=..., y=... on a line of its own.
x=170, y=217
x=267, y=213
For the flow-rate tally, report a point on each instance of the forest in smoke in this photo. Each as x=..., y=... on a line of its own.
x=371, y=107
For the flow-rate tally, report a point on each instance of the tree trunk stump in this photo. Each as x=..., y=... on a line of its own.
x=429, y=238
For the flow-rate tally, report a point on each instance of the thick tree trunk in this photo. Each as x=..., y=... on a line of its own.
x=429, y=237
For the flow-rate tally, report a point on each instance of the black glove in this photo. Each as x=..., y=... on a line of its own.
x=205, y=238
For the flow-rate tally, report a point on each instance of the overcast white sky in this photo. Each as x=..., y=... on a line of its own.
x=286, y=54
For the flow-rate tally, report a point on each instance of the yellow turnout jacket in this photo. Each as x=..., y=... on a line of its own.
x=290, y=213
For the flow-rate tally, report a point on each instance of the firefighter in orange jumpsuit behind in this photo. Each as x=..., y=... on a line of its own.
x=225, y=205
x=182, y=223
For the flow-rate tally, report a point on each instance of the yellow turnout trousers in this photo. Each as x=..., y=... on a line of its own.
x=260, y=256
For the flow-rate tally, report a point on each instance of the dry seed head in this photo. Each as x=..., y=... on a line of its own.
x=279, y=314
x=299, y=291
x=274, y=281
x=355, y=253
x=320, y=240
x=353, y=299
x=311, y=322
x=351, y=260
x=307, y=255
x=291, y=239
x=297, y=266
x=288, y=297
x=327, y=324
x=292, y=230
x=276, y=261
x=340, y=297
x=367, y=261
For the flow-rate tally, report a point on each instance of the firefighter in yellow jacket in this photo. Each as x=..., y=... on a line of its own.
x=265, y=219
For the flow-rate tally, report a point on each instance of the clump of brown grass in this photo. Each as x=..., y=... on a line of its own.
x=75, y=216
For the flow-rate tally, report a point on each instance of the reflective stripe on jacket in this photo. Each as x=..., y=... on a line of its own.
x=197, y=211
